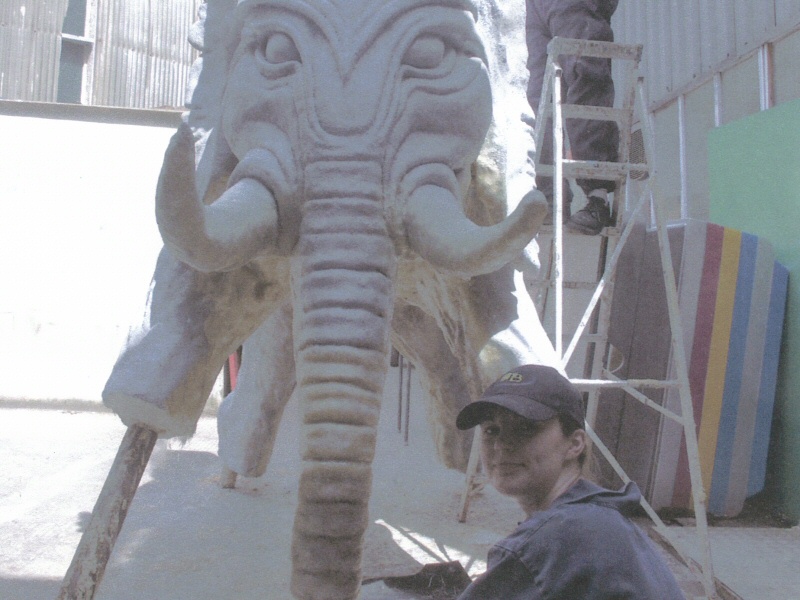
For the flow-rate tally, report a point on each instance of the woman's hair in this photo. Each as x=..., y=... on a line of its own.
x=585, y=460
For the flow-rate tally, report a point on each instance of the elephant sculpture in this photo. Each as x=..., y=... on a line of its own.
x=330, y=194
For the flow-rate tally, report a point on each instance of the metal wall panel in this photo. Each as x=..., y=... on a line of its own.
x=658, y=49
x=699, y=120
x=142, y=58
x=30, y=46
x=786, y=56
x=754, y=21
x=688, y=39
x=717, y=33
x=787, y=11
x=740, y=90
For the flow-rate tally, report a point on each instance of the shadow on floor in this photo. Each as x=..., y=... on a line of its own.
x=26, y=588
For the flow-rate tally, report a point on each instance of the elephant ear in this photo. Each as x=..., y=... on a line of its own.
x=211, y=36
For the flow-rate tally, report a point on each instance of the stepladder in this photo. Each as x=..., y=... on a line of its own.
x=578, y=297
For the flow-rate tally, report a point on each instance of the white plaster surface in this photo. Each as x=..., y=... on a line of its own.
x=187, y=539
x=78, y=242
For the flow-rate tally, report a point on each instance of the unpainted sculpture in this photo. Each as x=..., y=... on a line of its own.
x=323, y=200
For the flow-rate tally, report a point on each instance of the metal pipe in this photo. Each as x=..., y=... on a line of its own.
x=558, y=208
x=765, y=77
x=408, y=402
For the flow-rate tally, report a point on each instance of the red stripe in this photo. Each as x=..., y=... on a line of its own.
x=701, y=346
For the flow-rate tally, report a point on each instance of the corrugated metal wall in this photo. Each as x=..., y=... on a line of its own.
x=685, y=39
x=30, y=45
x=142, y=58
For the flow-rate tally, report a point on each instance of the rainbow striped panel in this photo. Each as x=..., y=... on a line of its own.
x=735, y=321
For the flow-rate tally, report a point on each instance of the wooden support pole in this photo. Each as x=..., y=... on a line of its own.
x=91, y=557
x=228, y=478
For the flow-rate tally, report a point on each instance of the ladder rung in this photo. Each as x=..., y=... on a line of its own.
x=567, y=285
x=593, y=169
x=607, y=232
x=587, y=384
x=595, y=113
x=559, y=45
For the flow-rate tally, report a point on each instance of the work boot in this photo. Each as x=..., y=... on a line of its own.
x=591, y=219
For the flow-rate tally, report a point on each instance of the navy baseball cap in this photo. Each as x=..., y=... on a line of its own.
x=535, y=392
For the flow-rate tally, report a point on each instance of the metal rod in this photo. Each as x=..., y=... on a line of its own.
x=587, y=384
x=630, y=390
x=94, y=550
x=558, y=208
x=400, y=395
x=408, y=402
x=472, y=470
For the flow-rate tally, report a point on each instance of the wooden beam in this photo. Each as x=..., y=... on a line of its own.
x=91, y=557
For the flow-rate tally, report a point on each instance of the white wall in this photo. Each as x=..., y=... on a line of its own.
x=78, y=243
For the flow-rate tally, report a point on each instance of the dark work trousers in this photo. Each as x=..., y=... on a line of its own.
x=585, y=81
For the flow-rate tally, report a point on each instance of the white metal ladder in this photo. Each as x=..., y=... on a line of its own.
x=597, y=312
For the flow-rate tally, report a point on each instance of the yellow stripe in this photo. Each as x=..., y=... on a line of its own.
x=718, y=355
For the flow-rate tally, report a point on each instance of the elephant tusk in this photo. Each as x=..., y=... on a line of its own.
x=439, y=231
x=221, y=236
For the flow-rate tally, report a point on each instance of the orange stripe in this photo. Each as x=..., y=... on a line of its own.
x=718, y=355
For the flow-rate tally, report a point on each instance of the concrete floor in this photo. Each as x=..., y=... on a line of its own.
x=185, y=538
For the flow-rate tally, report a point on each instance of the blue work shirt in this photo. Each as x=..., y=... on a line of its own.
x=584, y=547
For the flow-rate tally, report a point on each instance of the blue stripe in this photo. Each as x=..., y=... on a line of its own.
x=769, y=380
x=737, y=344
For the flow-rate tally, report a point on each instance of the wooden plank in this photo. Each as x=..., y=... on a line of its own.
x=91, y=557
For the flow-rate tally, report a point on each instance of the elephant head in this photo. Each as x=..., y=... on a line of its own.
x=344, y=132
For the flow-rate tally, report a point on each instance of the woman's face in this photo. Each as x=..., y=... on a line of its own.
x=525, y=459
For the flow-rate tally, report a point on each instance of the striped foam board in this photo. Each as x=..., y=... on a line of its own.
x=732, y=296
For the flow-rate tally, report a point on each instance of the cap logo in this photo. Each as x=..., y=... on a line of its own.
x=512, y=377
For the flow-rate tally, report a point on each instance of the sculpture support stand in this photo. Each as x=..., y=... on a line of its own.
x=90, y=560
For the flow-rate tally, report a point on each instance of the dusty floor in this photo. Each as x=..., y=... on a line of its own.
x=185, y=538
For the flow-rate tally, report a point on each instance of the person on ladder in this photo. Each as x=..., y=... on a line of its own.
x=586, y=81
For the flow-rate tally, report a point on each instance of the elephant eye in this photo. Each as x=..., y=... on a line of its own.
x=427, y=52
x=279, y=48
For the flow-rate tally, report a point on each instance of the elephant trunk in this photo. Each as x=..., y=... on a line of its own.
x=342, y=281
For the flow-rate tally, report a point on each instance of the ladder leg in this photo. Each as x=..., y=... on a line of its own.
x=91, y=557
x=472, y=471
x=558, y=210
x=679, y=353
